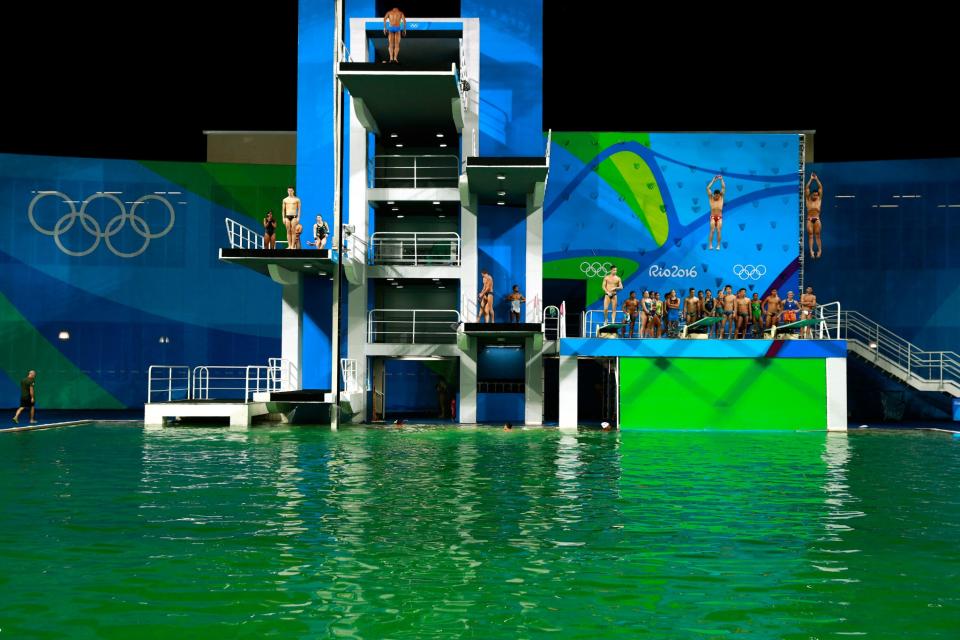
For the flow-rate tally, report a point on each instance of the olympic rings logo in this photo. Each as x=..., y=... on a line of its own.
x=91, y=226
x=595, y=269
x=749, y=272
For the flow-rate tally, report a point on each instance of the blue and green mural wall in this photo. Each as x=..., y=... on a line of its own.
x=122, y=256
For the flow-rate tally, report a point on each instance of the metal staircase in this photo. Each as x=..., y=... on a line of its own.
x=922, y=370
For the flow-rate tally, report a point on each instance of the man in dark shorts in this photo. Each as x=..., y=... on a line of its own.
x=729, y=302
x=485, y=298
x=27, y=397
x=742, y=303
x=631, y=309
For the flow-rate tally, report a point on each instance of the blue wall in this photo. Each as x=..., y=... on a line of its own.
x=899, y=265
x=115, y=300
x=411, y=387
x=500, y=407
x=501, y=250
x=511, y=72
x=500, y=363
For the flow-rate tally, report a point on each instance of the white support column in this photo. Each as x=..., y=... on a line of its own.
x=291, y=323
x=533, y=380
x=534, y=259
x=359, y=214
x=836, y=394
x=468, y=271
x=568, y=392
x=468, y=383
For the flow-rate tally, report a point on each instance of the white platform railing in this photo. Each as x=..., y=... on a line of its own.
x=413, y=326
x=166, y=383
x=828, y=328
x=273, y=377
x=435, y=248
x=410, y=171
x=241, y=237
x=927, y=370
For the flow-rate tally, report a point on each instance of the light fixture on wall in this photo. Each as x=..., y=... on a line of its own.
x=436, y=202
x=399, y=145
x=393, y=135
x=164, y=340
x=501, y=202
x=64, y=335
x=501, y=193
x=501, y=177
x=873, y=345
x=443, y=145
x=439, y=135
x=399, y=216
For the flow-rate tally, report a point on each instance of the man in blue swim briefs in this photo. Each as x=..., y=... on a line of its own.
x=392, y=28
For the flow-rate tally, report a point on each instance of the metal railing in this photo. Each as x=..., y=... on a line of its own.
x=349, y=375
x=413, y=326
x=550, y=326
x=433, y=248
x=273, y=377
x=241, y=237
x=355, y=247
x=411, y=171
x=344, y=52
x=910, y=363
x=228, y=382
x=828, y=329
x=499, y=386
x=166, y=383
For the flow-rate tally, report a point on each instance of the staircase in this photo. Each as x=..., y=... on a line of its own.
x=900, y=359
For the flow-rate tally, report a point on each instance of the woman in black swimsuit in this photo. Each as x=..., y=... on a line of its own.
x=269, y=231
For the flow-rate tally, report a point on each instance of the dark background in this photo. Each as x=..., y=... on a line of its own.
x=106, y=80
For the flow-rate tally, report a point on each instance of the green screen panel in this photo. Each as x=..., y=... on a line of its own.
x=723, y=393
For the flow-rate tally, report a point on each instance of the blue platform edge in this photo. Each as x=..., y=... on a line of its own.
x=660, y=348
x=419, y=25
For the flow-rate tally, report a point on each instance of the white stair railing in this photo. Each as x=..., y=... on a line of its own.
x=922, y=369
x=241, y=237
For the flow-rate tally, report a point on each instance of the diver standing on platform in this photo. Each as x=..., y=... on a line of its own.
x=392, y=28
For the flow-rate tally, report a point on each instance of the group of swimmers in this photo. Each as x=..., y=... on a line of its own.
x=661, y=317
x=291, y=220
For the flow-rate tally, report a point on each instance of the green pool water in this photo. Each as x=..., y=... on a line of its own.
x=116, y=532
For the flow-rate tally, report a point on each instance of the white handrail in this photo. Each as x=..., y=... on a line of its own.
x=229, y=380
x=829, y=312
x=418, y=173
x=417, y=248
x=550, y=322
x=405, y=327
x=349, y=375
x=167, y=381
x=241, y=237
x=912, y=363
